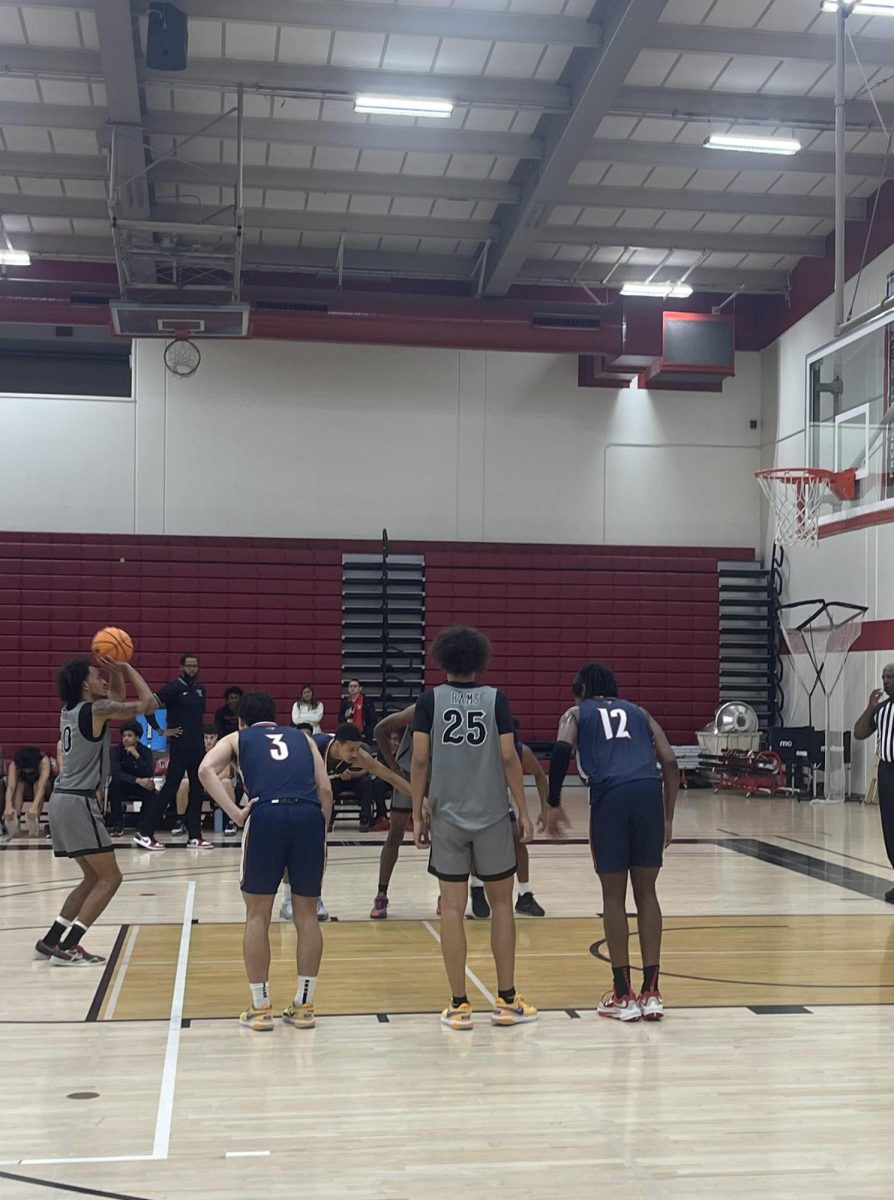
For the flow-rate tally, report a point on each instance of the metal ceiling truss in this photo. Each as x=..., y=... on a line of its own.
x=158, y=255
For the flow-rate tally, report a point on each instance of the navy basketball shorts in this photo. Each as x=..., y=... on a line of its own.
x=627, y=826
x=282, y=834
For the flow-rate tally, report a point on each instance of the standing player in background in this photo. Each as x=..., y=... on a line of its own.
x=89, y=704
x=463, y=734
x=631, y=823
x=878, y=719
x=185, y=699
x=285, y=828
x=399, y=724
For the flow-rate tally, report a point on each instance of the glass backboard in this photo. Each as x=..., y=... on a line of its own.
x=850, y=422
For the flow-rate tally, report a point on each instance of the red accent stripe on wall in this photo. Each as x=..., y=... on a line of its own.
x=267, y=613
x=875, y=635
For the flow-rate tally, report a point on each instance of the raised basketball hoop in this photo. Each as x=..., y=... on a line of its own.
x=182, y=356
x=795, y=495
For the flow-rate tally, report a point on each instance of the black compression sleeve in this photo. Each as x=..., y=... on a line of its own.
x=558, y=767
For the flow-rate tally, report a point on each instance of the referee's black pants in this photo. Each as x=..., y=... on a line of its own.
x=886, y=806
x=185, y=760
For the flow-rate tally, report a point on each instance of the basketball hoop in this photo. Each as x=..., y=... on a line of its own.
x=182, y=356
x=795, y=495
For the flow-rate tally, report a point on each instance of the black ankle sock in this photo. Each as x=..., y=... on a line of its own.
x=54, y=934
x=383, y=889
x=621, y=978
x=507, y=994
x=650, y=978
x=456, y=1001
x=73, y=936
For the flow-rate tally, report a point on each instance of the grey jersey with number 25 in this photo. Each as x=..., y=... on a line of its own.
x=468, y=784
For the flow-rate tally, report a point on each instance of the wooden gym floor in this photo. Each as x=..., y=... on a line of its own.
x=769, y=1077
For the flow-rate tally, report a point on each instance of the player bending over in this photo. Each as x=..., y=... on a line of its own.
x=285, y=826
x=631, y=822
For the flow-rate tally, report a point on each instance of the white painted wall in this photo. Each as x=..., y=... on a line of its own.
x=857, y=567
x=299, y=439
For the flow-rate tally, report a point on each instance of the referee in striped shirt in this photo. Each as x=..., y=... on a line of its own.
x=878, y=719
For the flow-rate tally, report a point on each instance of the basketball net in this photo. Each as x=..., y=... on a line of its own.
x=795, y=495
x=818, y=646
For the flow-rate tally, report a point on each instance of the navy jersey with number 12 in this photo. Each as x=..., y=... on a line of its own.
x=614, y=744
x=277, y=763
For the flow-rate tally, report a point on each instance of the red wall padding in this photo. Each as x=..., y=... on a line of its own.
x=267, y=613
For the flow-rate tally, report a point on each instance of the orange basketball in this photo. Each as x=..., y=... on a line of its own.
x=113, y=643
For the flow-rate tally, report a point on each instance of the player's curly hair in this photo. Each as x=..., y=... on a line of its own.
x=70, y=680
x=594, y=680
x=256, y=706
x=461, y=650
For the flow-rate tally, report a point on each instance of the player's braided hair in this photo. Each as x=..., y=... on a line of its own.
x=70, y=680
x=594, y=680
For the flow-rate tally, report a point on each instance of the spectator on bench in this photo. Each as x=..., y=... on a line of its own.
x=358, y=709
x=307, y=711
x=225, y=719
x=29, y=778
x=132, y=775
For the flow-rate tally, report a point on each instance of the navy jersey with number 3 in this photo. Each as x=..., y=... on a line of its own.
x=614, y=744
x=277, y=763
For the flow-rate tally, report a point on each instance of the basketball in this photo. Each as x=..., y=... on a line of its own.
x=113, y=643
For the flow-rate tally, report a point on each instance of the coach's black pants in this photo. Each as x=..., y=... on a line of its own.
x=185, y=760
x=886, y=806
x=126, y=791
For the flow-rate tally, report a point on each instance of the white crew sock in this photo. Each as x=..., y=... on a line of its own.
x=524, y=889
x=260, y=994
x=305, y=993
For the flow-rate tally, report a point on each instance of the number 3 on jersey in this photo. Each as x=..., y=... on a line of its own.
x=610, y=731
x=278, y=750
x=462, y=726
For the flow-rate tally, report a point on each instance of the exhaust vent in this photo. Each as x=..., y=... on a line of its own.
x=564, y=321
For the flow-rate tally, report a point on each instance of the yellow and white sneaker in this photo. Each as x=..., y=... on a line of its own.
x=515, y=1013
x=259, y=1019
x=457, y=1018
x=301, y=1017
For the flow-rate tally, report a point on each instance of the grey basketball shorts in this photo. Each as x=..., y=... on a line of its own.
x=401, y=802
x=76, y=825
x=456, y=853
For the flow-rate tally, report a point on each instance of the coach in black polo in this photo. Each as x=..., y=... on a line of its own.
x=878, y=718
x=185, y=700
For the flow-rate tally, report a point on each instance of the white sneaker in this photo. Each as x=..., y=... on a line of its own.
x=144, y=842
x=624, y=1008
x=322, y=915
x=285, y=912
x=199, y=844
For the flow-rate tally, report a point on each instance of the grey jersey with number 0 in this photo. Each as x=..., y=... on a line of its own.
x=468, y=784
x=85, y=763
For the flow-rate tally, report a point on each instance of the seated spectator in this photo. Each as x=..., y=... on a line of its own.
x=307, y=711
x=29, y=779
x=132, y=776
x=225, y=719
x=358, y=709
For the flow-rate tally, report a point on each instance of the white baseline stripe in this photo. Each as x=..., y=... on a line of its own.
x=164, y=1119
x=122, y=971
x=47, y=1162
x=489, y=996
x=247, y=1154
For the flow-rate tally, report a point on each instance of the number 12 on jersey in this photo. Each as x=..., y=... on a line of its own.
x=610, y=730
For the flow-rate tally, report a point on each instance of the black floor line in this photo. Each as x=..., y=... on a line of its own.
x=869, y=862
x=805, y=864
x=103, y=985
x=68, y=1187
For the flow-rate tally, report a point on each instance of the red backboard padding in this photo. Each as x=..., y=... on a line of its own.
x=267, y=613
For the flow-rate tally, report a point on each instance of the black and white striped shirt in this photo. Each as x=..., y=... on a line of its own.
x=883, y=724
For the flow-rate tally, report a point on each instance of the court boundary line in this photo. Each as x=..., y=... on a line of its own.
x=470, y=974
x=103, y=986
x=165, y=1110
x=122, y=971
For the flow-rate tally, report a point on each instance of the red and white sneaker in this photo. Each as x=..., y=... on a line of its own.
x=199, y=844
x=77, y=956
x=651, y=1005
x=621, y=1008
x=142, y=841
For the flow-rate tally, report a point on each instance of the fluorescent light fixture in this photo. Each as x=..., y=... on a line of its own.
x=663, y=291
x=14, y=258
x=402, y=106
x=752, y=144
x=863, y=8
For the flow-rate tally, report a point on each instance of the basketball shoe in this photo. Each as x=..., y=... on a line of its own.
x=621, y=1008
x=651, y=1005
x=457, y=1018
x=259, y=1019
x=380, y=907
x=514, y=1012
x=301, y=1017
